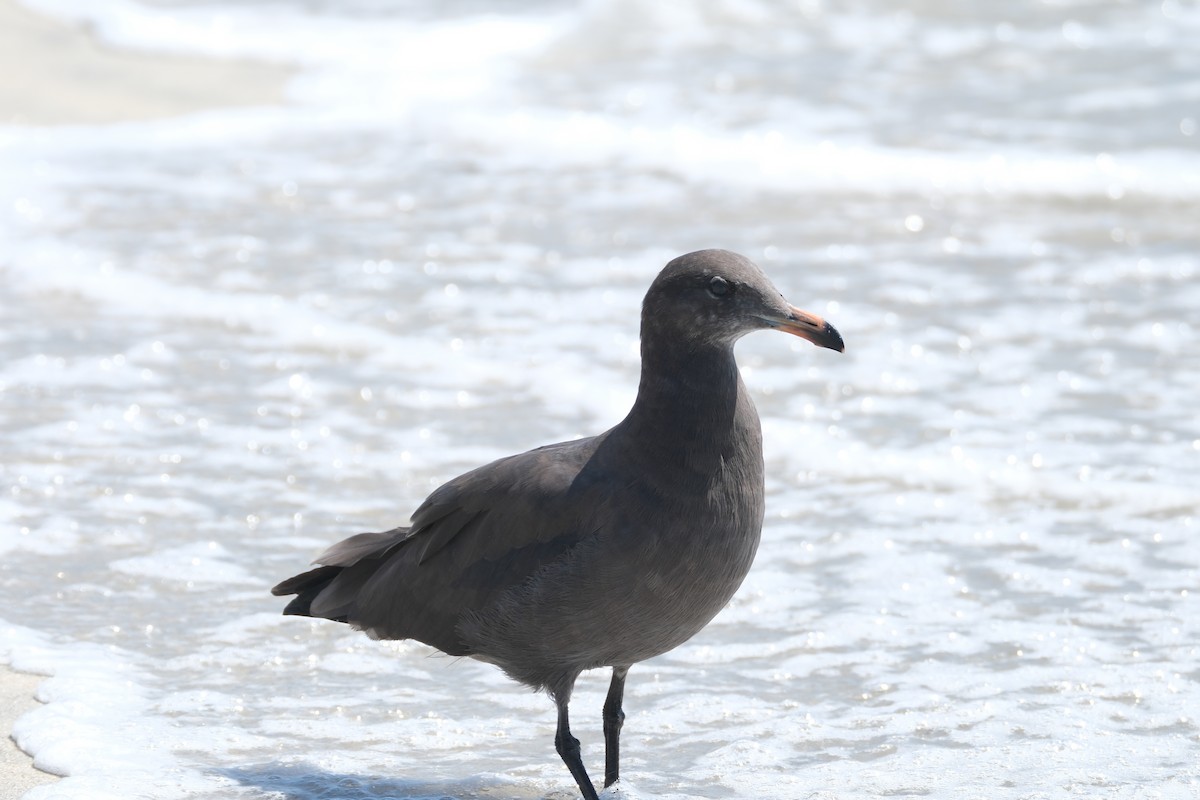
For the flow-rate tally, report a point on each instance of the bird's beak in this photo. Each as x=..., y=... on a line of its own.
x=808, y=326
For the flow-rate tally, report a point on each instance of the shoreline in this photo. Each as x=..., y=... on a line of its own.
x=57, y=73
x=17, y=773
x=62, y=75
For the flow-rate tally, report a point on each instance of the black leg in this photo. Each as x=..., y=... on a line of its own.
x=614, y=718
x=568, y=748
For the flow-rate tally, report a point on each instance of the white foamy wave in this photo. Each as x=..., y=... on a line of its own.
x=93, y=720
x=200, y=564
x=774, y=161
x=46, y=536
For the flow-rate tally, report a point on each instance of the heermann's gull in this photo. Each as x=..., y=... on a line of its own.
x=600, y=552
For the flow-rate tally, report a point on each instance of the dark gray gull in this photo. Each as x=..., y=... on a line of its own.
x=599, y=552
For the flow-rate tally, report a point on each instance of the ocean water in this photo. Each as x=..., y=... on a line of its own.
x=229, y=339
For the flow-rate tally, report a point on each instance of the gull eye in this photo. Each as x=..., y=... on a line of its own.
x=719, y=287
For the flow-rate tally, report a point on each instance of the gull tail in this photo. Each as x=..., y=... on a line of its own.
x=310, y=586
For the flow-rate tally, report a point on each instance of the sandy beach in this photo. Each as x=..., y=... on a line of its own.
x=17, y=776
x=55, y=74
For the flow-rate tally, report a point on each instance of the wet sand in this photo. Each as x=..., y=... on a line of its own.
x=17, y=774
x=54, y=73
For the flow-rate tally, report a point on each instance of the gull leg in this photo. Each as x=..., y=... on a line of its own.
x=614, y=718
x=568, y=747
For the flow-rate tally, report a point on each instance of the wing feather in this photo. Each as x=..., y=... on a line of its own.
x=473, y=539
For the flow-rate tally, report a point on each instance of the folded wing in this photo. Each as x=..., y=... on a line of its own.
x=473, y=539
